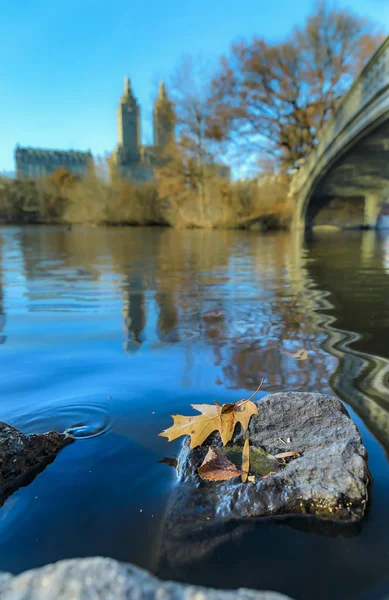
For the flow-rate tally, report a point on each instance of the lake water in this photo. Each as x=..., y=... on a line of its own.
x=105, y=331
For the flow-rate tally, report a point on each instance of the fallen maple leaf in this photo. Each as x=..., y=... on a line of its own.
x=216, y=467
x=301, y=354
x=218, y=417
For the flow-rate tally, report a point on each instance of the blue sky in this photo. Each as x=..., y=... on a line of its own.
x=63, y=63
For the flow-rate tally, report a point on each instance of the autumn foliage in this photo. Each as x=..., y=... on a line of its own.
x=257, y=116
x=275, y=98
x=223, y=418
x=218, y=417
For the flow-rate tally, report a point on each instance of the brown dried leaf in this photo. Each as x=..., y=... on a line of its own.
x=216, y=467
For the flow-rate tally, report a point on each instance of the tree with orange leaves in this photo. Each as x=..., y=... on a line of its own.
x=275, y=98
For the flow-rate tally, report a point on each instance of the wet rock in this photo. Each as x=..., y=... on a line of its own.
x=23, y=456
x=103, y=578
x=329, y=479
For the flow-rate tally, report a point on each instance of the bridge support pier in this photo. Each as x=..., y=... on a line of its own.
x=373, y=203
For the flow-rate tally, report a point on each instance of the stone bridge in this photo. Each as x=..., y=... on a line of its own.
x=345, y=180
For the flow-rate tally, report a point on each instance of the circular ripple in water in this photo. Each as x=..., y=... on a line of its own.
x=82, y=417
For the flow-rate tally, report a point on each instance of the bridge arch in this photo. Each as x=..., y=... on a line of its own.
x=350, y=165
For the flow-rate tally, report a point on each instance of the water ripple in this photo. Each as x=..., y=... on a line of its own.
x=82, y=417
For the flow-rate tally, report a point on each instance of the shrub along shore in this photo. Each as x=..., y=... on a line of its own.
x=62, y=198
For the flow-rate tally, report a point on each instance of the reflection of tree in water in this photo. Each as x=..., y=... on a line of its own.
x=257, y=313
x=266, y=304
x=61, y=267
x=57, y=252
x=250, y=299
x=354, y=274
x=357, y=325
x=168, y=330
x=265, y=318
x=186, y=264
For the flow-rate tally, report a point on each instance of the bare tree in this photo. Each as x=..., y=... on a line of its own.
x=275, y=98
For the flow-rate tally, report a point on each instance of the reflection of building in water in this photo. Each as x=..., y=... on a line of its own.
x=134, y=313
x=132, y=258
x=165, y=297
x=147, y=299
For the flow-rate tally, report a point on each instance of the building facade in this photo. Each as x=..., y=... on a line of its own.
x=35, y=162
x=131, y=159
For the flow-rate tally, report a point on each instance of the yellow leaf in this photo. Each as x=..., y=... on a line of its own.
x=213, y=418
x=216, y=467
x=245, y=459
x=217, y=417
x=198, y=427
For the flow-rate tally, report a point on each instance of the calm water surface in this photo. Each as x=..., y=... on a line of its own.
x=104, y=331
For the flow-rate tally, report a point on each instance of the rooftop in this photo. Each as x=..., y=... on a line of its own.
x=52, y=153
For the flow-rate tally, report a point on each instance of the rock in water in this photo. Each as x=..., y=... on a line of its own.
x=103, y=578
x=23, y=456
x=329, y=479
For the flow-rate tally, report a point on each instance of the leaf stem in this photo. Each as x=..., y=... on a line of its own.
x=240, y=402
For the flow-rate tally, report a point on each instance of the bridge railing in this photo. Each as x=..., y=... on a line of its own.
x=361, y=92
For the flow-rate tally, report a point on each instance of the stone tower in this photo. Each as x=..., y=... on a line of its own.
x=129, y=120
x=163, y=118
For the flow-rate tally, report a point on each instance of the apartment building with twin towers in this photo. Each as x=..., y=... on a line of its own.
x=132, y=159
